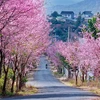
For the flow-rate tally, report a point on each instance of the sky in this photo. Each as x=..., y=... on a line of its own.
x=61, y=2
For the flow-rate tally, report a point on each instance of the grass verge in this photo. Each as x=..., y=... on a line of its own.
x=90, y=86
x=29, y=90
x=93, y=87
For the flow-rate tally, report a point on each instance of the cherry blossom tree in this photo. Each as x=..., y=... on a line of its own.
x=83, y=56
x=24, y=36
x=89, y=54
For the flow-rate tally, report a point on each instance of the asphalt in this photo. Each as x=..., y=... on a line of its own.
x=51, y=88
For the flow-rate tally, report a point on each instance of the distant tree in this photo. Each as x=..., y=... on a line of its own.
x=54, y=21
x=79, y=20
x=92, y=28
x=55, y=14
x=61, y=33
x=65, y=64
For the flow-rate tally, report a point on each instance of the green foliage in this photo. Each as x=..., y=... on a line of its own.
x=60, y=27
x=0, y=35
x=61, y=33
x=14, y=52
x=55, y=14
x=58, y=32
x=57, y=74
x=24, y=79
x=78, y=22
x=8, y=93
x=63, y=60
x=10, y=74
x=91, y=23
x=92, y=28
x=54, y=21
x=1, y=82
x=25, y=54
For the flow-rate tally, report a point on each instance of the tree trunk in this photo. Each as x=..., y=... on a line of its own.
x=69, y=73
x=76, y=80
x=76, y=77
x=20, y=81
x=13, y=81
x=5, y=81
x=1, y=62
x=17, y=84
x=83, y=77
x=86, y=76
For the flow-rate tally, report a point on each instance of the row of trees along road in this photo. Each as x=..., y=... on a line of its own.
x=81, y=56
x=23, y=37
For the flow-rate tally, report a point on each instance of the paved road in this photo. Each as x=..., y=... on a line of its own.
x=53, y=89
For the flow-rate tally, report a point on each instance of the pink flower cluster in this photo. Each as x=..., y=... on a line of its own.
x=85, y=55
x=24, y=31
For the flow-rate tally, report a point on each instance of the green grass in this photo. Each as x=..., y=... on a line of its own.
x=92, y=86
x=58, y=74
x=30, y=90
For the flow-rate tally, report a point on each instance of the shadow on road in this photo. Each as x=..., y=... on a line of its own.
x=41, y=96
x=58, y=92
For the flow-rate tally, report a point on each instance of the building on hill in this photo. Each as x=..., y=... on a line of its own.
x=68, y=14
x=87, y=14
x=60, y=18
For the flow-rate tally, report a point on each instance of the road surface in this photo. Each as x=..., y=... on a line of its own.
x=52, y=89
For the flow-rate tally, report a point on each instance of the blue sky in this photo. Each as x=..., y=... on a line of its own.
x=61, y=2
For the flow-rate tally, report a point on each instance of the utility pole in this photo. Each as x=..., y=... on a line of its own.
x=68, y=33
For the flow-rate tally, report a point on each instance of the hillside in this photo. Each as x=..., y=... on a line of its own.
x=91, y=5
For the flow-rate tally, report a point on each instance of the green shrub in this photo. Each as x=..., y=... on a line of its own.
x=8, y=93
x=58, y=74
x=24, y=79
x=10, y=74
x=1, y=81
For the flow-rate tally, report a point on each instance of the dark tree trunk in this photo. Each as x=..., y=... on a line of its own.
x=5, y=81
x=76, y=80
x=13, y=81
x=69, y=73
x=59, y=70
x=76, y=77
x=86, y=76
x=17, y=84
x=20, y=81
x=14, y=77
x=1, y=62
x=1, y=54
x=83, y=77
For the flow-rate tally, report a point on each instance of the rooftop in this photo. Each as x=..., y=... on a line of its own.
x=87, y=12
x=67, y=12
